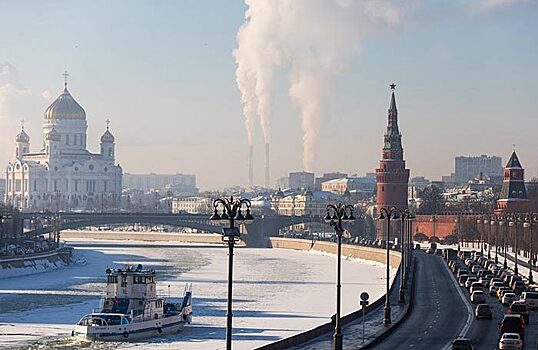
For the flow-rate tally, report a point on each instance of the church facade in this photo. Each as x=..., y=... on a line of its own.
x=63, y=174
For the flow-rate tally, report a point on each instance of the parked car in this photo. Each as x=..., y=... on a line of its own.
x=519, y=308
x=530, y=299
x=483, y=311
x=508, y=298
x=512, y=324
x=494, y=287
x=462, y=271
x=510, y=341
x=478, y=297
x=462, y=344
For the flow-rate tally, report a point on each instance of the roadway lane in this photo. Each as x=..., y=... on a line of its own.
x=438, y=314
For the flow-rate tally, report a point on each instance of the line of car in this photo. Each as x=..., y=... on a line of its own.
x=480, y=276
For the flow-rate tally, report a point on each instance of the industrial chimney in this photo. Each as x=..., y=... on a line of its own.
x=250, y=166
x=266, y=165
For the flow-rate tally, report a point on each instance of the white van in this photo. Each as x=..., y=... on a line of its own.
x=530, y=299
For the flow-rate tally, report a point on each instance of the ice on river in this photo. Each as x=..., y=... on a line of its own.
x=277, y=293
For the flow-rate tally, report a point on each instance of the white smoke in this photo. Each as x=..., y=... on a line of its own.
x=317, y=39
x=17, y=103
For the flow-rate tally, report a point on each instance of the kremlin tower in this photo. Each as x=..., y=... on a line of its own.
x=392, y=176
x=513, y=198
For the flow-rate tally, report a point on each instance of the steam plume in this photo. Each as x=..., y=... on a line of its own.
x=317, y=39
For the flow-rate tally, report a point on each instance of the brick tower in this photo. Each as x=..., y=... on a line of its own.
x=392, y=176
x=513, y=198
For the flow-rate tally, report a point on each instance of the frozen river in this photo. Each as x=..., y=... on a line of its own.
x=277, y=293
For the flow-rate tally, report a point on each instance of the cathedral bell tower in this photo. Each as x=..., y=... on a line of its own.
x=22, y=142
x=392, y=176
x=107, y=144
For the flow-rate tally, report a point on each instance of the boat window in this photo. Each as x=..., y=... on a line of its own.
x=112, y=279
x=139, y=280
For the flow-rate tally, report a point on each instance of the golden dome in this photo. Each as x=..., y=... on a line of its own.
x=65, y=107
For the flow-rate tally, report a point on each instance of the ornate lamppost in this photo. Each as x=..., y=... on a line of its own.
x=514, y=220
x=481, y=231
x=388, y=215
x=501, y=224
x=335, y=215
x=230, y=214
x=529, y=221
x=405, y=217
x=495, y=237
x=458, y=228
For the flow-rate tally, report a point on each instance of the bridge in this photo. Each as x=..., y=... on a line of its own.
x=254, y=234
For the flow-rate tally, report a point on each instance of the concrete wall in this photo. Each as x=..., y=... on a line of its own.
x=145, y=236
x=366, y=253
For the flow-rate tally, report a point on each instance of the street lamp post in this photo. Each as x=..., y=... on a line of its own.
x=495, y=238
x=513, y=223
x=231, y=213
x=529, y=221
x=487, y=223
x=458, y=228
x=501, y=224
x=387, y=215
x=405, y=216
x=479, y=221
x=335, y=214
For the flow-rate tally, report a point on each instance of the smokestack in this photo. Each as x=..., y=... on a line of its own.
x=250, y=166
x=266, y=165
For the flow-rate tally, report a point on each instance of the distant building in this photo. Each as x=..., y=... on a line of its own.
x=63, y=174
x=178, y=184
x=327, y=177
x=350, y=184
x=302, y=203
x=283, y=182
x=192, y=205
x=468, y=168
x=302, y=179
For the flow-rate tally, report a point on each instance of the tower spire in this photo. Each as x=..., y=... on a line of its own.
x=107, y=123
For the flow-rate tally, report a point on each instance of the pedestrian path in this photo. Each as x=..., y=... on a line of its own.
x=352, y=332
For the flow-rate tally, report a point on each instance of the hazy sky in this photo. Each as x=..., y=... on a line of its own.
x=163, y=72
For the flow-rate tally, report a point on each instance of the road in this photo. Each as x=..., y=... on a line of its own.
x=439, y=313
x=484, y=333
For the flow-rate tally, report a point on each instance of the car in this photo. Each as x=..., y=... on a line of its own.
x=512, y=324
x=513, y=279
x=479, y=297
x=518, y=287
x=510, y=341
x=462, y=271
x=501, y=291
x=476, y=286
x=508, y=298
x=494, y=287
x=462, y=279
x=483, y=311
x=530, y=299
x=470, y=281
x=519, y=308
x=462, y=344
x=485, y=281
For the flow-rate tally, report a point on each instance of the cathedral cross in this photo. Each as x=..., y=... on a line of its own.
x=65, y=78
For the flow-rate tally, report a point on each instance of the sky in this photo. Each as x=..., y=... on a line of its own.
x=164, y=73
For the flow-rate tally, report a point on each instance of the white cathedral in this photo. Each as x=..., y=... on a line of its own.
x=64, y=175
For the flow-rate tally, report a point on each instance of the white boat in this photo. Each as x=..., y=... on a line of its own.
x=132, y=310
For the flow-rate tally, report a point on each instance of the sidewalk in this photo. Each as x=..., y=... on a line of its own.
x=373, y=326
